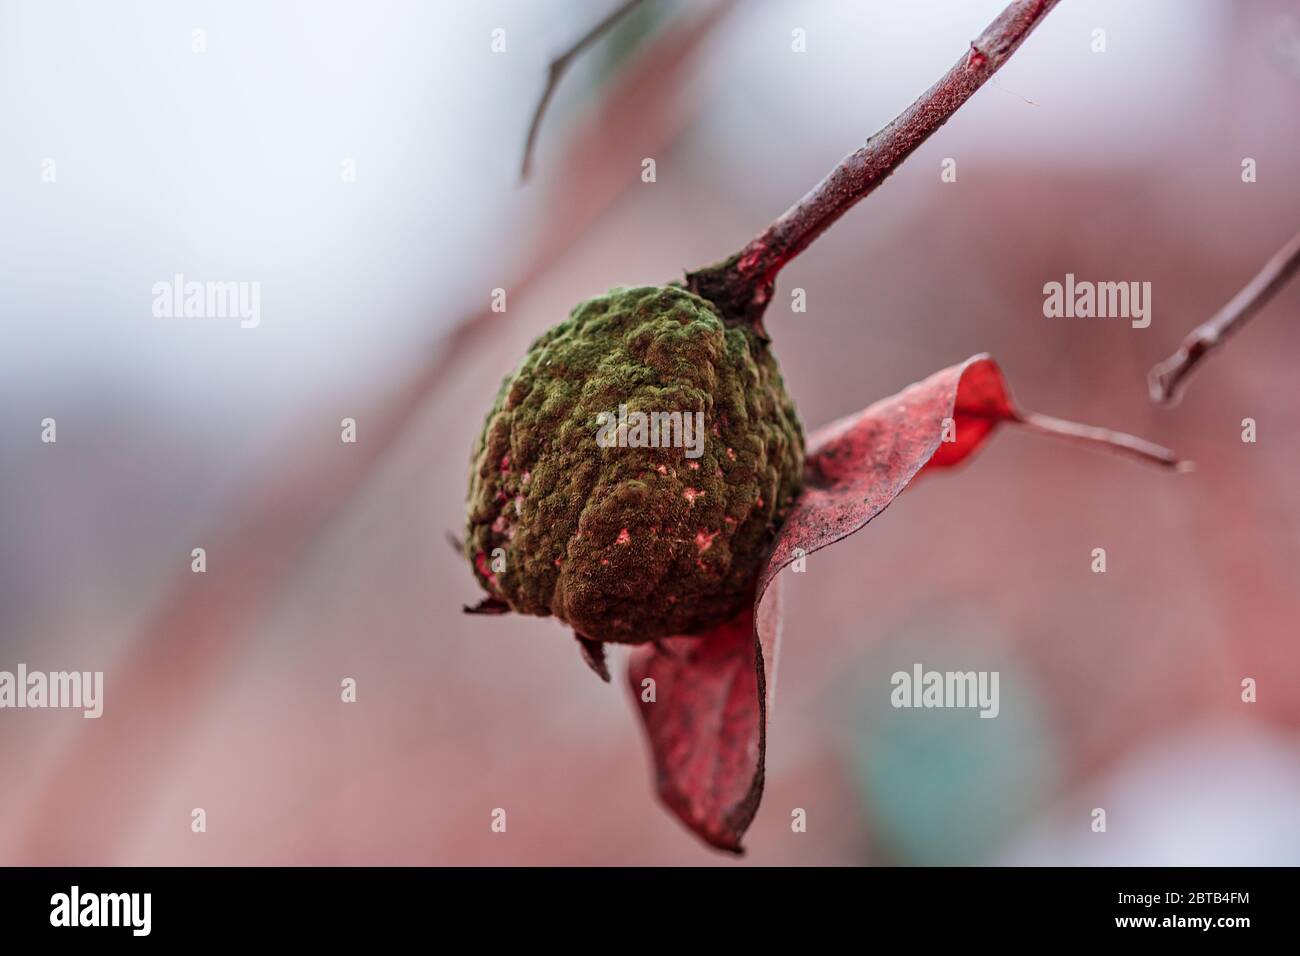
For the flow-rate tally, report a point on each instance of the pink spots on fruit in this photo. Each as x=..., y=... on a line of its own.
x=704, y=540
x=731, y=453
x=527, y=477
x=690, y=494
x=623, y=537
x=662, y=469
x=694, y=466
x=484, y=570
x=505, y=462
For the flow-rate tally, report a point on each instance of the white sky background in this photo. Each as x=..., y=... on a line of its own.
x=225, y=165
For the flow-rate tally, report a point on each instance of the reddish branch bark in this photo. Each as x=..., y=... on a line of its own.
x=1166, y=379
x=741, y=286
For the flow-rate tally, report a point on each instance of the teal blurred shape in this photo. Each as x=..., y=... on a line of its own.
x=945, y=786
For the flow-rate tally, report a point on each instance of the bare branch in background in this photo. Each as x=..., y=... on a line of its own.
x=1166, y=379
x=556, y=71
x=742, y=285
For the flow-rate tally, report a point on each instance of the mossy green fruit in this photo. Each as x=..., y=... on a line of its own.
x=631, y=527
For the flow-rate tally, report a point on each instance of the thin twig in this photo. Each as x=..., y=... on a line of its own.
x=557, y=69
x=742, y=285
x=1104, y=438
x=1166, y=379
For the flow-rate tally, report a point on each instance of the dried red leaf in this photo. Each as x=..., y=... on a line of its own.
x=858, y=465
x=708, y=723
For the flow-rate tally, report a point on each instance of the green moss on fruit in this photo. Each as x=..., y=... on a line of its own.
x=629, y=544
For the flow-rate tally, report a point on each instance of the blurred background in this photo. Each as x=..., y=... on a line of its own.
x=328, y=560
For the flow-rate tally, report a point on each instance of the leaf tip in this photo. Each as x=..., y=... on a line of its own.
x=489, y=605
x=593, y=655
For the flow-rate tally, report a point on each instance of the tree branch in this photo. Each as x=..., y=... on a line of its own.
x=1166, y=379
x=556, y=71
x=741, y=286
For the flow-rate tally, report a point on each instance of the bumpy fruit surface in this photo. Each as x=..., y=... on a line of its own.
x=629, y=544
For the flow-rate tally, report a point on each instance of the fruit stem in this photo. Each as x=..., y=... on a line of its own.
x=741, y=286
